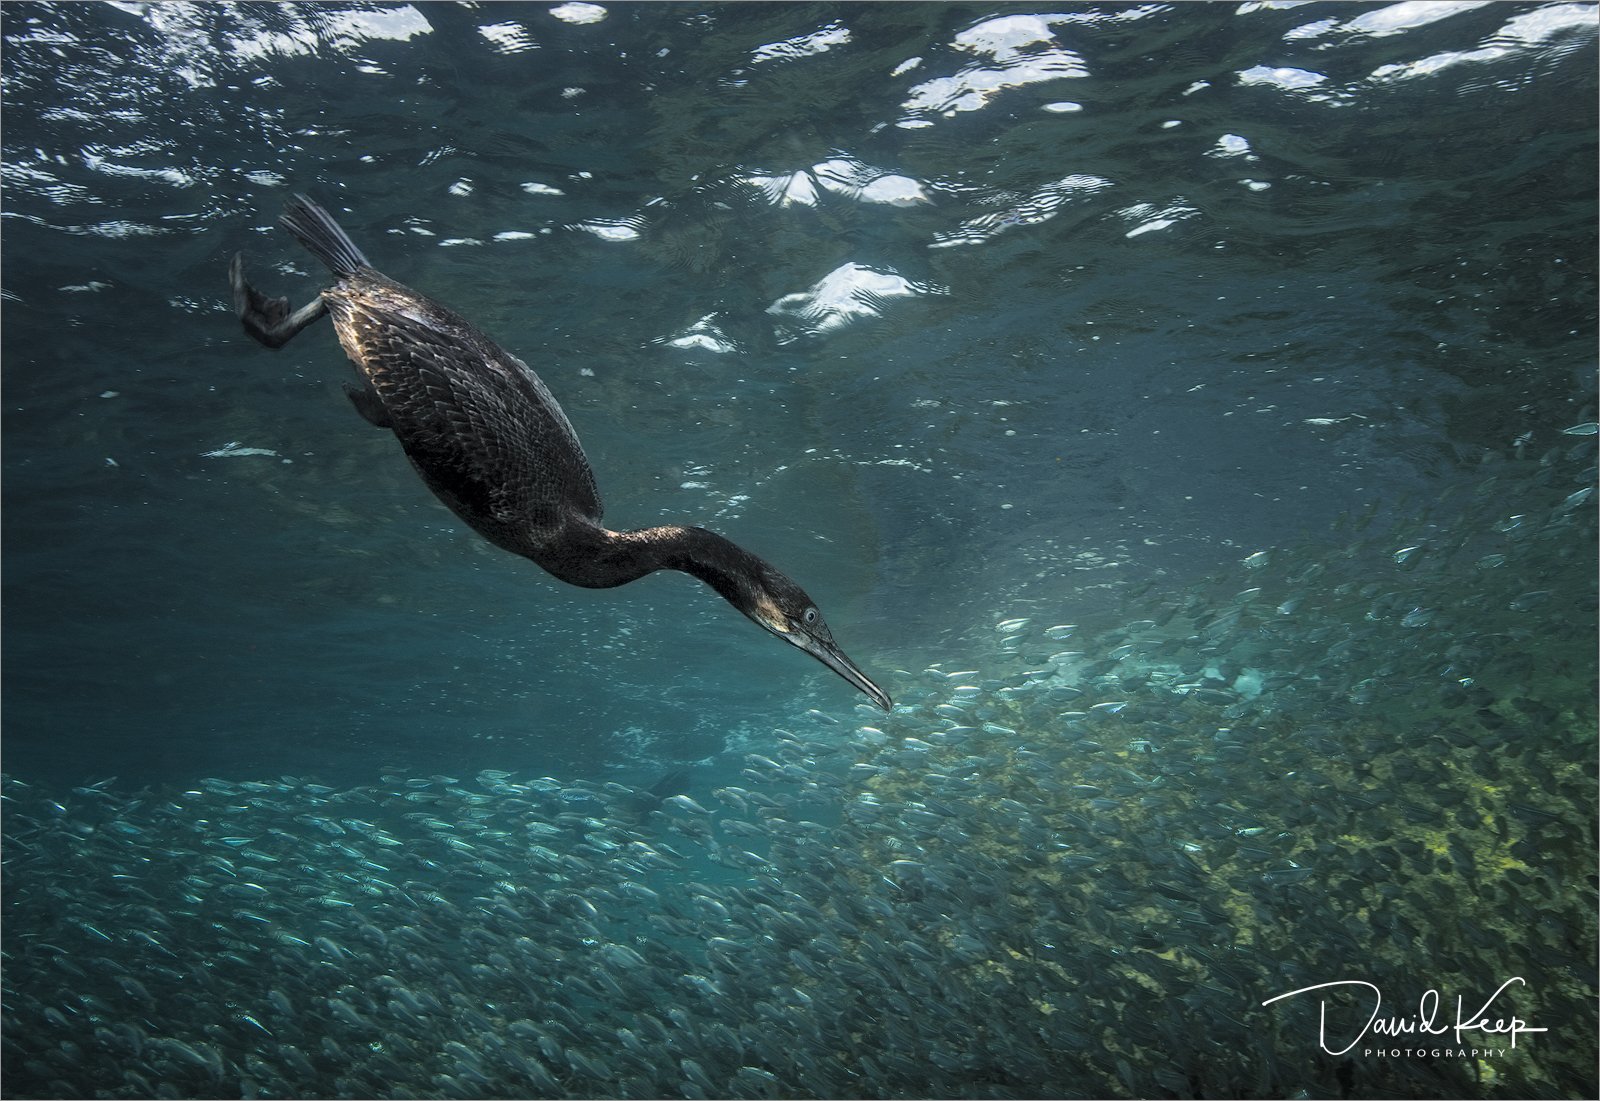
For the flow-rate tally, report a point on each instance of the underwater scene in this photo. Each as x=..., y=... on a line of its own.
x=1184, y=416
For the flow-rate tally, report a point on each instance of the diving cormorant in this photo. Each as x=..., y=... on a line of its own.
x=490, y=440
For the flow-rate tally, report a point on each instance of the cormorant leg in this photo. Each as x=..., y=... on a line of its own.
x=368, y=404
x=268, y=319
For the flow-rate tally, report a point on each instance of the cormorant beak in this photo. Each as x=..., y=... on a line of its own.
x=833, y=657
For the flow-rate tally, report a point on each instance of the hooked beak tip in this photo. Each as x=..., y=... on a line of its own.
x=834, y=659
x=879, y=696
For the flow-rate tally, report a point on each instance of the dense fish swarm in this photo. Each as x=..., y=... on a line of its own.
x=1076, y=866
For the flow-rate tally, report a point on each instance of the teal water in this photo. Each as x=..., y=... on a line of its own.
x=1210, y=386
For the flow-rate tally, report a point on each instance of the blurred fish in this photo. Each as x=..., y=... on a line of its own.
x=971, y=897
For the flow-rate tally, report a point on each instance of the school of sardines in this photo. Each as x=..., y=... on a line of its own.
x=1075, y=866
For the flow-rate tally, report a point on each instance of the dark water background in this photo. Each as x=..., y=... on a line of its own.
x=1138, y=291
x=1418, y=270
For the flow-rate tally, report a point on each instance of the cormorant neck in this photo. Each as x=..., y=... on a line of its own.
x=728, y=568
x=603, y=559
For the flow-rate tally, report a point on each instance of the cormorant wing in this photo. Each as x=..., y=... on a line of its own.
x=480, y=425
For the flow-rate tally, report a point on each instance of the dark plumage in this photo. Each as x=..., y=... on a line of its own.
x=492, y=443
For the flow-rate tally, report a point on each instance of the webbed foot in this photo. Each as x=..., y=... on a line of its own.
x=369, y=405
x=268, y=319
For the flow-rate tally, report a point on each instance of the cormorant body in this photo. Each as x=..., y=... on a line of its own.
x=491, y=441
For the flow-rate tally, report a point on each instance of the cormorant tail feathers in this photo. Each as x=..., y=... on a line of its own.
x=315, y=228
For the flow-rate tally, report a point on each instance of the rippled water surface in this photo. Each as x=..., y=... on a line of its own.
x=1186, y=412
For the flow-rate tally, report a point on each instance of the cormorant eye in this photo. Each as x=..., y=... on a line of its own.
x=810, y=617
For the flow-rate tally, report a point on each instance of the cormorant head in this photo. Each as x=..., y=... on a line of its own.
x=752, y=585
x=783, y=608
